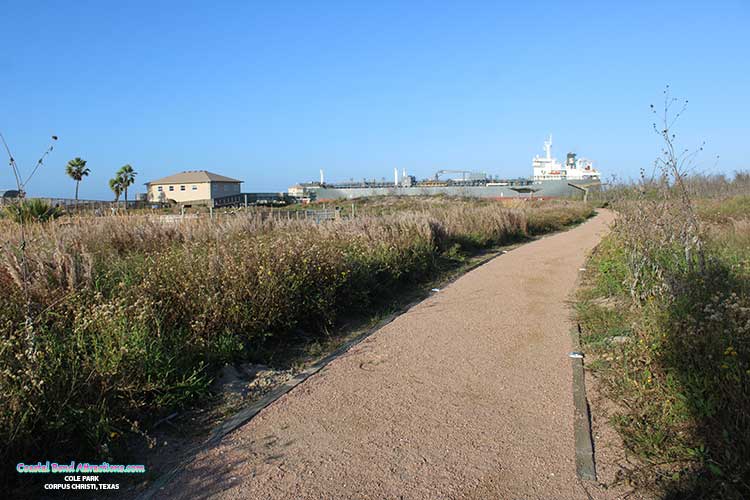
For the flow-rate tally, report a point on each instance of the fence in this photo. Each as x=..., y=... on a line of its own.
x=316, y=216
x=71, y=203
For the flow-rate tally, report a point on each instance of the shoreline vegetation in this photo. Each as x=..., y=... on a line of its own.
x=132, y=317
x=664, y=308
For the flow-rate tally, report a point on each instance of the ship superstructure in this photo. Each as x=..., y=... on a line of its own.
x=548, y=168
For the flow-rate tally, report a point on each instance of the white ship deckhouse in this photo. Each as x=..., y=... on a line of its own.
x=548, y=168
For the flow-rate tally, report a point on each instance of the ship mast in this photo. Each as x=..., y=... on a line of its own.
x=548, y=147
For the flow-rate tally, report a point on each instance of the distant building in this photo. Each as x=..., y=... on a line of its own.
x=193, y=186
x=303, y=192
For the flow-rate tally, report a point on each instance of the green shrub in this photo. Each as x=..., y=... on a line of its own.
x=33, y=210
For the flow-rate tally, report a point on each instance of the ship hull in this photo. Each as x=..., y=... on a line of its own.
x=542, y=189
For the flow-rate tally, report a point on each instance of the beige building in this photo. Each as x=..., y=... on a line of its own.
x=193, y=186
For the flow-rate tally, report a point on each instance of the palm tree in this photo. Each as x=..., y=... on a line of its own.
x=115, y=184
x=126, y=175
x=76, y=170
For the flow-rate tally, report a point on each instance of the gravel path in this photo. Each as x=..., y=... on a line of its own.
x=467, y=395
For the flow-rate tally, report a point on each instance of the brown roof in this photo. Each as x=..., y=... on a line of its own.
x=193, y=176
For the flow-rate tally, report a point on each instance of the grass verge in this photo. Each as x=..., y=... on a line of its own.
x=671, y=345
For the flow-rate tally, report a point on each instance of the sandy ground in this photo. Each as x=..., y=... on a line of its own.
x=467, y=395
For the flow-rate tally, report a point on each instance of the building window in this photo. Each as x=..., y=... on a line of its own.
x=182, y=188
x=160, y=189
x=195, y=188
x=171, y=188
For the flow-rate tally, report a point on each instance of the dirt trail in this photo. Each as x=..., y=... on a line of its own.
x=467, y=395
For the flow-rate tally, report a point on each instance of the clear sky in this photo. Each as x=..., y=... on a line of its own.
x=271, y=92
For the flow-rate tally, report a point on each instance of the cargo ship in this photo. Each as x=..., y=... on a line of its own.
x=550, y=179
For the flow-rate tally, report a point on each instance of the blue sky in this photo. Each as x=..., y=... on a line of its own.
x=272, y=92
